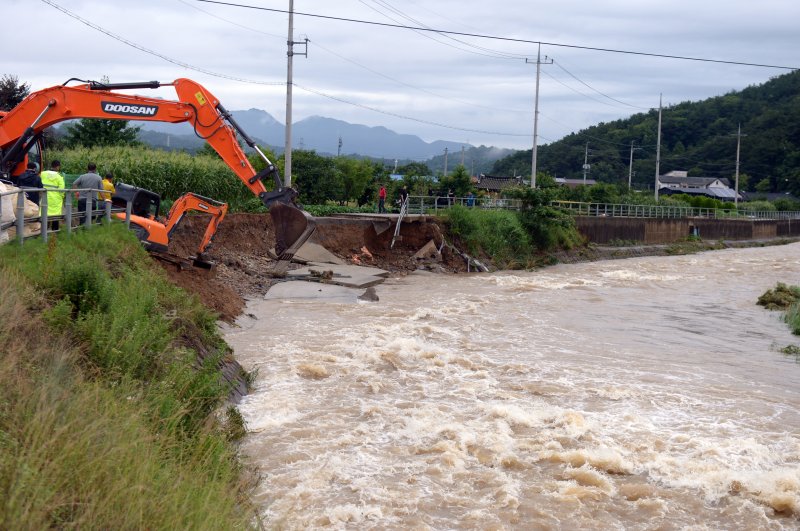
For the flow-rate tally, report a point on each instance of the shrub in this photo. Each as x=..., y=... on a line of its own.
x=548, y=227
x=495, y=233
x=786, y=298
x=758, y=206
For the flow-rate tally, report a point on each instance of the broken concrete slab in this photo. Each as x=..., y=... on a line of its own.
x=350, y=281
x=312, y=252
x=428, y=252
x=313, y=291
x=349, y=269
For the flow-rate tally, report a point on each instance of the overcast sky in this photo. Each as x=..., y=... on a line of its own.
x=482, y=90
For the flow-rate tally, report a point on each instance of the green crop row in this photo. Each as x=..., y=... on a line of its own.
x=168, y=173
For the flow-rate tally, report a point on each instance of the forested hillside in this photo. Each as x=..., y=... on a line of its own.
x=696, y=136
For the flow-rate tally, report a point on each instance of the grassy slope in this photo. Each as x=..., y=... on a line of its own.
x=104, y=421
x=513, y=240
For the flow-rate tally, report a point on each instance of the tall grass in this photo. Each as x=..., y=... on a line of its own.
x=106, y=421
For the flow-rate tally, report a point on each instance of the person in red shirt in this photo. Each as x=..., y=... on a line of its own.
x=382, y=200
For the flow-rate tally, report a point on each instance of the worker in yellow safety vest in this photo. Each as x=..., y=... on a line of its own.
x=52, y=178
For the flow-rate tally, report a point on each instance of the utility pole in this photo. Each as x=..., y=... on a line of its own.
x=462, y=155
x=445, y=162
x=536, y=111
x=630, y=165
x=339, y=151
x=287, y=171
x=586, y=163
x=658, y=146
x=739, y=136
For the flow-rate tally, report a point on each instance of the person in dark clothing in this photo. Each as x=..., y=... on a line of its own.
x=403, y=195
x=31, y=179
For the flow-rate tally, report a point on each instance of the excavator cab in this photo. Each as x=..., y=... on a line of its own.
x=144, y=203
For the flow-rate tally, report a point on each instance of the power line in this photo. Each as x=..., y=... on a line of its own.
x=576, y=91
x=507, y=39
x=429, y=36
x=421, y=89
x=210, y=14
x=154, y=53
x=576, y=78
x=397, y=115
x=493, y=53
x=307, y=89
x=368, y=69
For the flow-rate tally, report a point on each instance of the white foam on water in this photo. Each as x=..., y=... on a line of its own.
x=631, y=275
x=543, y=282
x=484, y=409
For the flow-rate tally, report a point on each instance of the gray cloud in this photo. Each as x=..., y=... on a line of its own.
x=474, y=88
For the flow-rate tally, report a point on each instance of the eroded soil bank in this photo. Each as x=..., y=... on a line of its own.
x=241, y=250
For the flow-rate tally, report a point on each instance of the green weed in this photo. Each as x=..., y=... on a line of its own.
x=107, y=408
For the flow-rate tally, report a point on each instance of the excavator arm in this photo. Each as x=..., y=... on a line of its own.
x=195, y=104
x=191, y=202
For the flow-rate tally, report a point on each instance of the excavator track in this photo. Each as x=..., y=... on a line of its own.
x=182, y=263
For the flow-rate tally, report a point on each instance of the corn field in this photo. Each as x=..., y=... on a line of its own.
x=168, y=173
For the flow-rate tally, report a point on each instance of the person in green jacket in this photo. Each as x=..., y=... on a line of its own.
x=52, y=178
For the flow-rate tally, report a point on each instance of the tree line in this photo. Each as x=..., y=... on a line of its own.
x=698, y=137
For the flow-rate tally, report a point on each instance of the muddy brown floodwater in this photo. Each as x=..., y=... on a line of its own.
x=645, y=393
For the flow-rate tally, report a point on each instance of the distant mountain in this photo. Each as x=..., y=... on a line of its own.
x=322, y=134
x=698, y=137
x=317, y=133
x=477, y=160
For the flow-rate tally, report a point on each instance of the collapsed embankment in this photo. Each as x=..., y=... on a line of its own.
x=112, y=404
x=243, y=244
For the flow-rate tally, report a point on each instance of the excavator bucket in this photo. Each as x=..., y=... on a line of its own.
x=202, y=261
x=293, y=227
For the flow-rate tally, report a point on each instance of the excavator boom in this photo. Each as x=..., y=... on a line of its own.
x=195, y=104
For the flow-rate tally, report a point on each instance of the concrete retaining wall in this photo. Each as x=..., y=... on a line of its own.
x=655, y=230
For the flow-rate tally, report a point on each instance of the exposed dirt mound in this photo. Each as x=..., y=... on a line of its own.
x=242, y=244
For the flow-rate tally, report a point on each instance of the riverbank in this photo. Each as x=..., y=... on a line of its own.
x=114, y=385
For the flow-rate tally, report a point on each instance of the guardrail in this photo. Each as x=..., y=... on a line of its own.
x=420, y=204
x=403, y=213
x=659, y=211
x=85, y=218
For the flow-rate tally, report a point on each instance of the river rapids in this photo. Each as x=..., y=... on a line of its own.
x=632, y=394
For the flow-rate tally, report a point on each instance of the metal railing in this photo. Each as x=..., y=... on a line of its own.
x=403, y=212
x=419, y=204
x=659, y=211
x=86, y=218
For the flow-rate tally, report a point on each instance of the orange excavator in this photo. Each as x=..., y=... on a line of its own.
x=156, y=233
x=21, y=131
